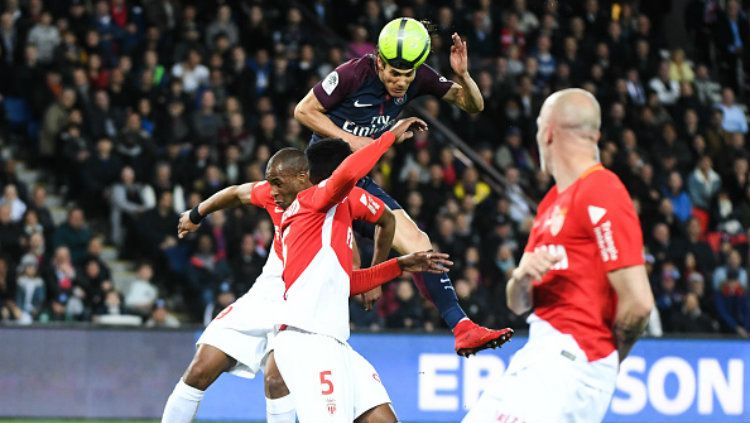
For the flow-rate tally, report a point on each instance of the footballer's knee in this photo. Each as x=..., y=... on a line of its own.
x=409, y=238
x=207, y=365
x=275, y=386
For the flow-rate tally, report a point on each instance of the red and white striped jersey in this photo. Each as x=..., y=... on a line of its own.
x=317, y=243
x=594, y=228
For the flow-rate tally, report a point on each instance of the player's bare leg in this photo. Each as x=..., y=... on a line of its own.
x=470, y=337
x=279, y=404
x=207, y=365
x=380, y=414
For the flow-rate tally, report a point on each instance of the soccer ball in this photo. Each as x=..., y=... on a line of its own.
x=404, y=43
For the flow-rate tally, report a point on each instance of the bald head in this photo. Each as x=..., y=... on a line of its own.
x=288, y=160
x=575, y=111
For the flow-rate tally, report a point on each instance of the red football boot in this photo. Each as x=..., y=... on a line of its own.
x=472, y=338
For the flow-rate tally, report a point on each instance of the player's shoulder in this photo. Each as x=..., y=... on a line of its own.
x=602, y=183
x=426, y=71
x=356, y=69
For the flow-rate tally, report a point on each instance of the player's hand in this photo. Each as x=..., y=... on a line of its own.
x=405, y=128
x=459, y=56
x=425, y=261
x=370, y=297
x=184, y=225
x=534, y=265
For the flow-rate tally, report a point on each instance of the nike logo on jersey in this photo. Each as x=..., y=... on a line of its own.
x=447, y=283
x=358, y=104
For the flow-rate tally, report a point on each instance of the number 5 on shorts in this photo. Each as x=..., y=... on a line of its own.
x=326, y=382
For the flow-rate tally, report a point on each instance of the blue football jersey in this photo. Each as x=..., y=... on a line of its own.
x=356, y=100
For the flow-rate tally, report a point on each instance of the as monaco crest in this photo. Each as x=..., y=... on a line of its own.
x=556, y=220
x=331, y=406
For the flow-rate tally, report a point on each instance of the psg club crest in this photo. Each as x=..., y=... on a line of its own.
x=331, y=406
x=400, y=100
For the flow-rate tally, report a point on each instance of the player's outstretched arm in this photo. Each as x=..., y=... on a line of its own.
x=385, y=229
x=532, y=267
x=423, y=261
x=232, y=196
x=634, y=304
x=465, y=93
x=311, y=113
x=361, y=162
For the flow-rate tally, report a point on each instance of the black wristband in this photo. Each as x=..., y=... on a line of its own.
x=195, y=216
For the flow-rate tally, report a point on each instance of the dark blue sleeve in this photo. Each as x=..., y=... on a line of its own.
x=429, y=81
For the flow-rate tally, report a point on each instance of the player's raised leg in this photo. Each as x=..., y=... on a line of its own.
x=279, y=404
x=208, y=363
x=470, y=337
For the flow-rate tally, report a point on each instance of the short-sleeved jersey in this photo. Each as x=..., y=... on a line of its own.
x=260, y=196
x=317, y=252
x=593, y=227
x=356, y=100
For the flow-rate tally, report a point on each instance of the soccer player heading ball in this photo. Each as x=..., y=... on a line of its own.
x=360, y=100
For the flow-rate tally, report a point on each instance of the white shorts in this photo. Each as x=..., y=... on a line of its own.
x=329, y=381
x=548, y=380
x=245, y=329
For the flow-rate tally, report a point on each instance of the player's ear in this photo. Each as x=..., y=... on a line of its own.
x=379, y=63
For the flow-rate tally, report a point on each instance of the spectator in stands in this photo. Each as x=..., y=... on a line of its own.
x=731, y=40
x=142, y=293
x=703, y=184
x=681, y=203
x=679, y=69
x=100, y=171
x=30, y=291
x=247, y=264
x=191, y=71
x=45, y=36
x=691, y=318
x=734, y=119
x=17, y=207
x=513, y=153
x=733, y=264
x=704, y=257
x=668, y=297
x=73, y=234
x=161, y=317
x=55, y=119
x=129, y=200
x=223, y=298
x=408, y=314
x=205, y=121
x=732, y=304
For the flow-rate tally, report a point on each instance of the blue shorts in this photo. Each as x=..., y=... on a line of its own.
x=363, y=228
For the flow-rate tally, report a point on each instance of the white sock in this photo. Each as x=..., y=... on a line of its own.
x=280, y=410
x=182, y=404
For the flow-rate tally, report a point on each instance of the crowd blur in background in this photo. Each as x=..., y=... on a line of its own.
x=134, y=111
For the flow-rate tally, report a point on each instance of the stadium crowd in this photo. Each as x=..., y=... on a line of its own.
x=134, y=111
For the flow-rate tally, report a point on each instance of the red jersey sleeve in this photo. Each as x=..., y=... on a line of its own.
x=365, y=206
x=355, y=167
x=364, y=280
x=610, y=216
x=260, y=194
